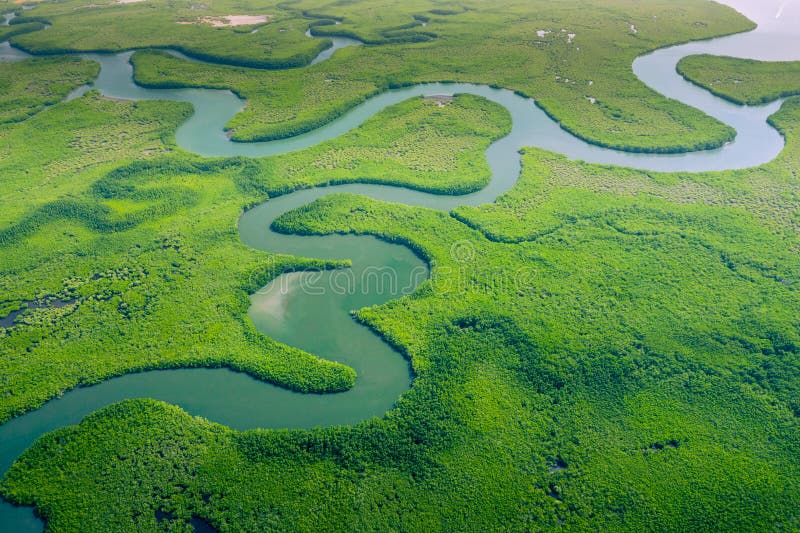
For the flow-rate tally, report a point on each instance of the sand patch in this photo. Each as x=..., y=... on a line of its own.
x=440, y=99
x=228, y=21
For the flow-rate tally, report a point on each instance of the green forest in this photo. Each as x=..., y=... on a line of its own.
x=28, y=86
x=618, y=351
x=743, y=81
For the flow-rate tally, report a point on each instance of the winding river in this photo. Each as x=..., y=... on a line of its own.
x=285, y=308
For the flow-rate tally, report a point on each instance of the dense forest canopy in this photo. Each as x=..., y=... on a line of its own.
x=601, y=348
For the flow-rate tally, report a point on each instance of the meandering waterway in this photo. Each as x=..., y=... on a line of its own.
x=286, y=311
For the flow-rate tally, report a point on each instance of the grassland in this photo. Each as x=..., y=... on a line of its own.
x=26, y=87
x=74, y=145
x=580, y=72
x=742, y=81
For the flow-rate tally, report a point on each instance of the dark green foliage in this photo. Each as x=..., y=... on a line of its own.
x=24, y=20
x=397, y=35
x=7, y=32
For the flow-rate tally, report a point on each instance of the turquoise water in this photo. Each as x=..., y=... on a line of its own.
x=204, y=133
x=290, y=309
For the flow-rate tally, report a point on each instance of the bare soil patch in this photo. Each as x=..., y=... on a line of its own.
x=227, y=21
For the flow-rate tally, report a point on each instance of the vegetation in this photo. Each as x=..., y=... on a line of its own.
x=378, y=22
x=111, y=27
x=417, y=143
x=601, y=349
x=585, y=82
x=7, y=32
x=26, y=87
x=140, y=246
x=742, y=81
x=74, y=144
x=574, y=377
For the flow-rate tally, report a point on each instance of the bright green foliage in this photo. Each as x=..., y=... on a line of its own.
x=388, y=149
x=28, y=86
x=742, y=81
x=149, y=250
x=113, y=26
x=73, y=145
x=633, y=367
x=563, y=73
x=540, y=203
x=603, y=349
